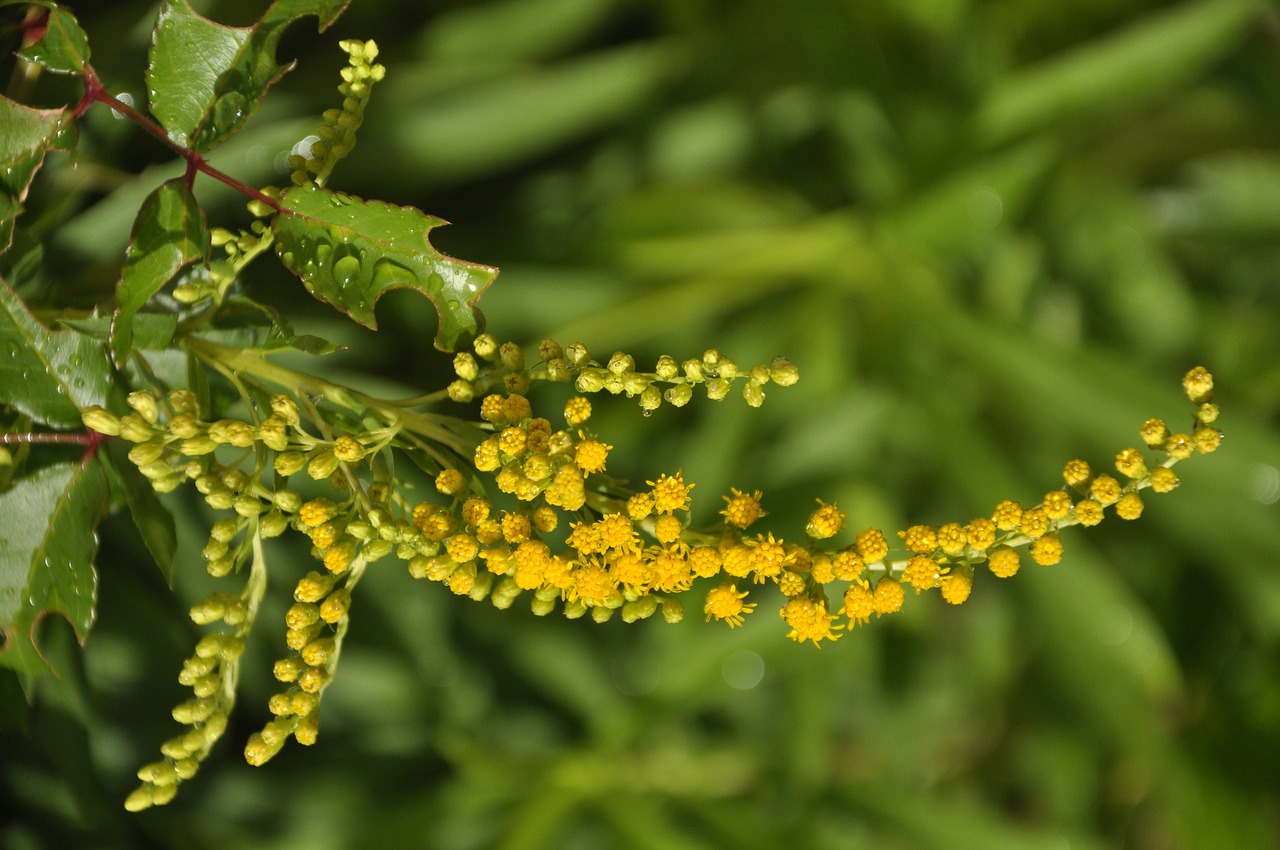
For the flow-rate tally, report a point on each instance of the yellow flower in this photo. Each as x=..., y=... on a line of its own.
x=768, y=556
x=809, y=620
x=871, y=545
x=981, y=533
x=1076, y=473
x=736, y=560
x=1047, y=551
x=791, y=584
x=742, y=509
x=671, y=570
x=1163, y=479
x=667, y=528
x=631, y=571
x=704, y=561
x=859, y=603
x=888, y=596
x=1198, y=384
x=922, y=573
x=1056, y=504
x=594, y=586
x=639, y=506
x=1129, y=506
x=956, y=588
x=920, y=539
x=348, y=449
x=952, y=539
x=590, y=455
x=1035, y=523
x=725, y=603
x=1003, y=561
x=1207, y=439
x=1088, y=512
x=847, y=565
x=577, y=410
x=450, y=482
x=1154, y=432
x=317, y=512
x=1131, y=464
x=1007, y=515
x=670, y=493
x=826, y=521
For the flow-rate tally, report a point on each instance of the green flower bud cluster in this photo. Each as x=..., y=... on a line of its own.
x=338, y=131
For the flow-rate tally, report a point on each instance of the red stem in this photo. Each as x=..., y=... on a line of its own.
x=94, y=91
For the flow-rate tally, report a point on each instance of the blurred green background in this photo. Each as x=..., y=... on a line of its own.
x=992, y=236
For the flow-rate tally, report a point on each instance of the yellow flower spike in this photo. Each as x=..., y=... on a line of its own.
x=1047, y=551
x=888, y=596
x=1003, y=561
x=1129, y=506
x=725, y=602
x=827, y=521
x=670, y=493
x=871, y=545
x=741, y=509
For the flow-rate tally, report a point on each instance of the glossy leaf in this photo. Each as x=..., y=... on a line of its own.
x=48, y=375
x=28, y=135
x=64, y=47
x=47, y=546
x=169, y=233
x=350, y=251
x=202, y=103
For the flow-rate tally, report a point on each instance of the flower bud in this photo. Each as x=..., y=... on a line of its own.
x=679, y=395
x=322, y=465
x=782, y=372
x=135, y=429
x=184, y=426
x=485, y=346
x=101, y=420
x=289, y=463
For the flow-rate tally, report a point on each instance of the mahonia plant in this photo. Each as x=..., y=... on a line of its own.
x=523, y=503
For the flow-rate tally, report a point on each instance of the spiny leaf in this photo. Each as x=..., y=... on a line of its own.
x=202, y=103
x=63, y=48
x=28, y=135
x=47, y=546
x=48, y=375
x=170, y=232
x=349, y=251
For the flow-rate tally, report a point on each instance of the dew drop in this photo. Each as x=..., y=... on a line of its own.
x=346, y=270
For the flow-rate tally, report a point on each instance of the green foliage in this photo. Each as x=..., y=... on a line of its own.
x=989, y=235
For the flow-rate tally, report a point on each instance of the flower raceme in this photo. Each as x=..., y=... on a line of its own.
x=525, y=506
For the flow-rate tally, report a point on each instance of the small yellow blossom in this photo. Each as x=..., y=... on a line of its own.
x=859, y=603
x=889, y=596
x=1003, y=561
x=670, y=493
x=667, y=528
x=847, y=565
x=348, y=449
x=736, y=560
x=1129, y=506
x=871, y=545
x=826, y=521
x=809, y=620
x=768, y=556
x=956, y=588
x=1047, y=551
x=591, y=455
x=1035, y=523
x=1076, y=473
x=1105, y=490
x=725, y=603
x=1207, y=439
x=1007, y=515
x=1131, y=464
x=952, y=539
x=704, y=561
x=1056, y=504
x=1088, y=512
x=577, y=410
x=450, y=482
x=742, y=509
x=1154, y=432
x=1198, y=384
x=1163, y=479
x=981, y=533
x=920, y=539
x=791, y=583
x=1179, y=446
x=639, y=506
x=632, y=571
x=922, y=573
x=316, y=512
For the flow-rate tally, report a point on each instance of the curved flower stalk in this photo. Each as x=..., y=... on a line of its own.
x=526, y=507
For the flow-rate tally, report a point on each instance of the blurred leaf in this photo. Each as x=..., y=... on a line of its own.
x=154, y=522
x=1155, y=54
x=47, y=547
x=349, y=251
x=49, y=375
x=63, y=48
x=201, y=103
x=513, y=30
x=170, y=232
x=28, y=135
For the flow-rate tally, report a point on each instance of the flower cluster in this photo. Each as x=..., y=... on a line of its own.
x=526, y=506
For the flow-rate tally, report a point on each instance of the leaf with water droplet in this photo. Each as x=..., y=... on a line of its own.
x=348, y=254
x=201, y=104
x=28, y=135
x=169, y=233
x=47, y=547
x=63, y=48
x=36, y=373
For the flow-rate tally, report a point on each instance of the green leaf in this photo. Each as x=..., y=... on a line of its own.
x=170, y=232
x=47, y=546
x=349, y=251
x=1156, y=54
x=202, y=103
x=28, y=135
x=64, y=48
x=152, y=518
x=48, y=375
